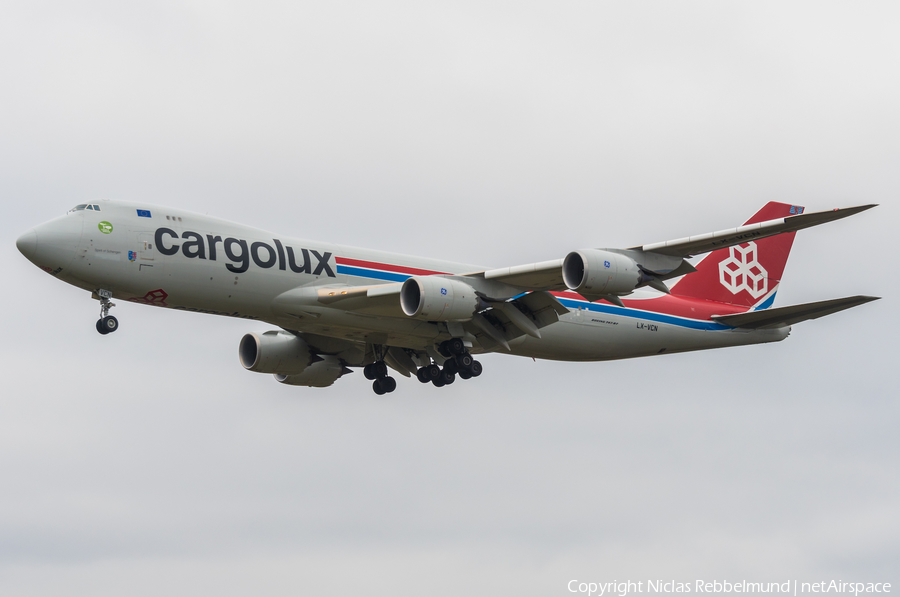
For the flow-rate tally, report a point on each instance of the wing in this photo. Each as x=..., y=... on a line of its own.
x=376, y=299
x=546, y=275
x=704, y=243
x=657, y=261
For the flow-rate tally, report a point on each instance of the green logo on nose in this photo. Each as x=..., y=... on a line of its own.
x=105, y=227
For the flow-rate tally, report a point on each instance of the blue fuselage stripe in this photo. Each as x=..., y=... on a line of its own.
x=766, y=303
x=348, y=270
x=693, y=324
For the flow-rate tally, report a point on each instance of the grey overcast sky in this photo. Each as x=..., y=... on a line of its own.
x=149, y=462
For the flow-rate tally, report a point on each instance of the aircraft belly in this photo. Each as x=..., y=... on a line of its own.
x=614, y=337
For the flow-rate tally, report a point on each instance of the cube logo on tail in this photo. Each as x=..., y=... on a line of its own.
x=742, y=271
x=755, y=267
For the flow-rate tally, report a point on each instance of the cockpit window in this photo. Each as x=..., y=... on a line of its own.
x=83, y=206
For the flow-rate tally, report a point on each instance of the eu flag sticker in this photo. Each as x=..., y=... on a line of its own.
x=143, y=213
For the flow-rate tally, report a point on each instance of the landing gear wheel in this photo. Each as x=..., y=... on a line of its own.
x=465, y=374
x=464, y=361
x=455, y=346
x=438, y=381
x=433, y=372
x=476, y=368
x=447, y=377
x=451, y=366
x=378, y=387
x=422, y=375
x=107, y=325
x=107, y=322
x=388, y=384
x=375, y=370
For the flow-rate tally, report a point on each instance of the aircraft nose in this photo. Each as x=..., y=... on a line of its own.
x=27, y=244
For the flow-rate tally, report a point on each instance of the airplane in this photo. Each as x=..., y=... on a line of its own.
x=338, y=307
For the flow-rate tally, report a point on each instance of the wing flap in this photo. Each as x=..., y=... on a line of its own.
x=784, y=316
x=378, y=299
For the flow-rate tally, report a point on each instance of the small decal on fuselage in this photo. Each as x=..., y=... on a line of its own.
x=105, y=227
x=650, y=327
x=240, y=253
x=132, y=256
x=143, y=213
x=154, y=297
x=604, y=321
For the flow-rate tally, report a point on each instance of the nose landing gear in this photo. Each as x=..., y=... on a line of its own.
x=107, y=323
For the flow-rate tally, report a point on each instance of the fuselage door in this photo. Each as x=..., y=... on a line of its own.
x=146, y=254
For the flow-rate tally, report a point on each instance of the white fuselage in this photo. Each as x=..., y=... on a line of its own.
x=191, y=262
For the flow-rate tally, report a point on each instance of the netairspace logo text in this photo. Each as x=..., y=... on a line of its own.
x=791, y=587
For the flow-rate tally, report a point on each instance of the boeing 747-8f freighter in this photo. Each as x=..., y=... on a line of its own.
x=340, y=307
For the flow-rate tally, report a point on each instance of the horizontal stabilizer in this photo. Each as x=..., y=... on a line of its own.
x=783, y=316
x=704, y=243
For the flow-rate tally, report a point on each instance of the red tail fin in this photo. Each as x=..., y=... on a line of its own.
x=746, y=274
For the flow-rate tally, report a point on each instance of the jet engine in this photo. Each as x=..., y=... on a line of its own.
x=274, y=352
x=434, y=298
x=596, y=271
x=320, y=374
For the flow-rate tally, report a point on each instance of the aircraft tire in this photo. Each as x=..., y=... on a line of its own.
x=450, y=365
x=465, y=374
x=433, y=372
x=476, y=368
x=388, y=384
x=447, y=377
x=378, y=387
x=464, y=361
x=381, y=369
x=369, y=372
x=438, y=381
x=109, y=324
x=100, y=327
x=455, y=346
x=422, y=375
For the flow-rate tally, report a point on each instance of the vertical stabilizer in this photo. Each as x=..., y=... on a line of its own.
x=748, y=274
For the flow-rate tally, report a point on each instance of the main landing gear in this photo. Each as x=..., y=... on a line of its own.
x=378, y=372
x=107, y=323
x=459, y=362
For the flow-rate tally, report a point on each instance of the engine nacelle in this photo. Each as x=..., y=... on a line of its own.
x=320, y=374
x=596, y=271
x=274, y=352
x=438, y=299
